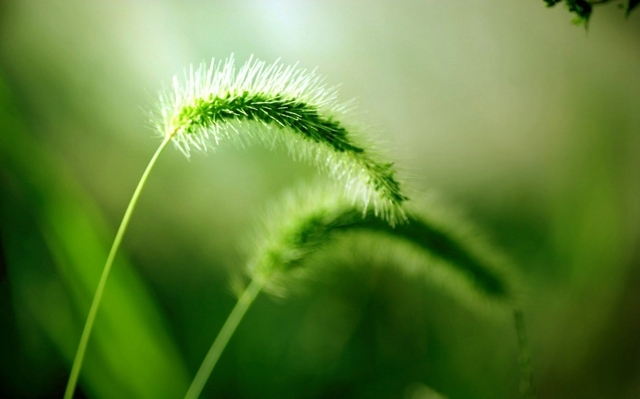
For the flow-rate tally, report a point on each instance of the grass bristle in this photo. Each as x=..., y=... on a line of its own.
x=276, y=105
x=439, y=247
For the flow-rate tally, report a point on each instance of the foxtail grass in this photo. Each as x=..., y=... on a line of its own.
x=309, y=219
x=276, y=105
x=273, y=105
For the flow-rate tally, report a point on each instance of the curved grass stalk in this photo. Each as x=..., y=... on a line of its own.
x=311, y=219
x=97, y=298
x=221, y=341
x=268, y=105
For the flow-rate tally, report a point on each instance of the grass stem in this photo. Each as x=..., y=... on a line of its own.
x=223, y=337
x=86, y=332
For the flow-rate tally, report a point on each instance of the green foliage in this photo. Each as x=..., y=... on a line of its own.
x=584, y=8
x=534, y=131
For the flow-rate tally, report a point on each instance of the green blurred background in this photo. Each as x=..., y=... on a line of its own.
x=526, y=122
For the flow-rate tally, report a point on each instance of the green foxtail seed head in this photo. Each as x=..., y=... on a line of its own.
x=430, y=244
x=278, y=105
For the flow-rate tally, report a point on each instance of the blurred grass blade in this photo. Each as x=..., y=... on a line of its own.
x=131, y=355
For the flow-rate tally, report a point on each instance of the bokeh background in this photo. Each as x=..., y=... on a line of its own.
x=527, y=123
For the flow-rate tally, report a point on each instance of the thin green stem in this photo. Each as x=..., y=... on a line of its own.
x=223, y=337
x=86, y=332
